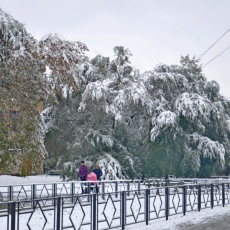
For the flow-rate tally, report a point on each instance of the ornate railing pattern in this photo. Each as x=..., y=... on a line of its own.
x=36, y=191
x=110, y=210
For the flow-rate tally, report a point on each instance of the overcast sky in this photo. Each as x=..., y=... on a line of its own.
x=155, y=31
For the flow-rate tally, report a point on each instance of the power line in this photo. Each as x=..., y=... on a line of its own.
x=213, y=45
x=216, y=56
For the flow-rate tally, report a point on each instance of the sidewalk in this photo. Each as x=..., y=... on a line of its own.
x=210, y=223
x=217, y=218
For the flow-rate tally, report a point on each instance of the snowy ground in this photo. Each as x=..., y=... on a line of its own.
x=191, y=221
x=177, y=222
x=15, y=180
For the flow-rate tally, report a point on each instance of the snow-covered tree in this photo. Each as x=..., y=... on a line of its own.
x=24, y=83
x=170, y=120
x=96, y=136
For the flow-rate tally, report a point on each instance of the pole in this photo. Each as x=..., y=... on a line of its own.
x=147, y=192
x=223, y=194
x=13, y=215
x=58, y=213
x=199, y=197
x=123, y=210
x=167, y=203
x=212, y=196
x=184, y=200
x=94, y=212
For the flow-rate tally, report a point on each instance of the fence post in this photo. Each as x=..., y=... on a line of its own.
x=184, y=199
x=33, y=191
x=13, y=215
x=212, y=196
x=167, y=203
x=58, y=213
x=88, y=191
x=10, y=193
x=123, y=213
x=147, y=192
x=54, y=190
x=199, y=197
x=34, y=186
x=103, y=190
x=116, y=188
x=88, y=187
x=128, y=187
x=223, y=194
x=72, y=191
x=94, y=213
x=139, y=187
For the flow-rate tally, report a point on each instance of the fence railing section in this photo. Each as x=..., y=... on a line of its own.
x=111, y=210
x=40, y=191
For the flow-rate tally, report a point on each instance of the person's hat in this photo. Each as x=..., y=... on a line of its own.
x=83, y=162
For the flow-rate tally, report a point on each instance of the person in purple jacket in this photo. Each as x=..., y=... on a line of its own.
x=83, y=172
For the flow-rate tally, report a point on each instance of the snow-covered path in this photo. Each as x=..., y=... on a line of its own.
x=217, y=218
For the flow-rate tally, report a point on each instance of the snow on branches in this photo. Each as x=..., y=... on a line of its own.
x=94, y=137
x=166, y=119
x=110, y=168
x=191, y=105
x=64, y=58
x=208, y=148
x=194, y=106
x=24, y=84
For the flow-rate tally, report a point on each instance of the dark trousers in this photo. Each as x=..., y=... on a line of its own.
x=97, y=188
x=82, y=188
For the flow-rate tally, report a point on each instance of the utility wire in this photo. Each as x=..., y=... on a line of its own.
x=213, y=45
x=216, y=57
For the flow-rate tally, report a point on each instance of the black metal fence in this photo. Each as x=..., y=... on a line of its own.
x=49, y=190
x=111, y=210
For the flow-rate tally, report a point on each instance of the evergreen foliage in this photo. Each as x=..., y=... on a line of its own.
x=24, y=83
x=170, y=120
